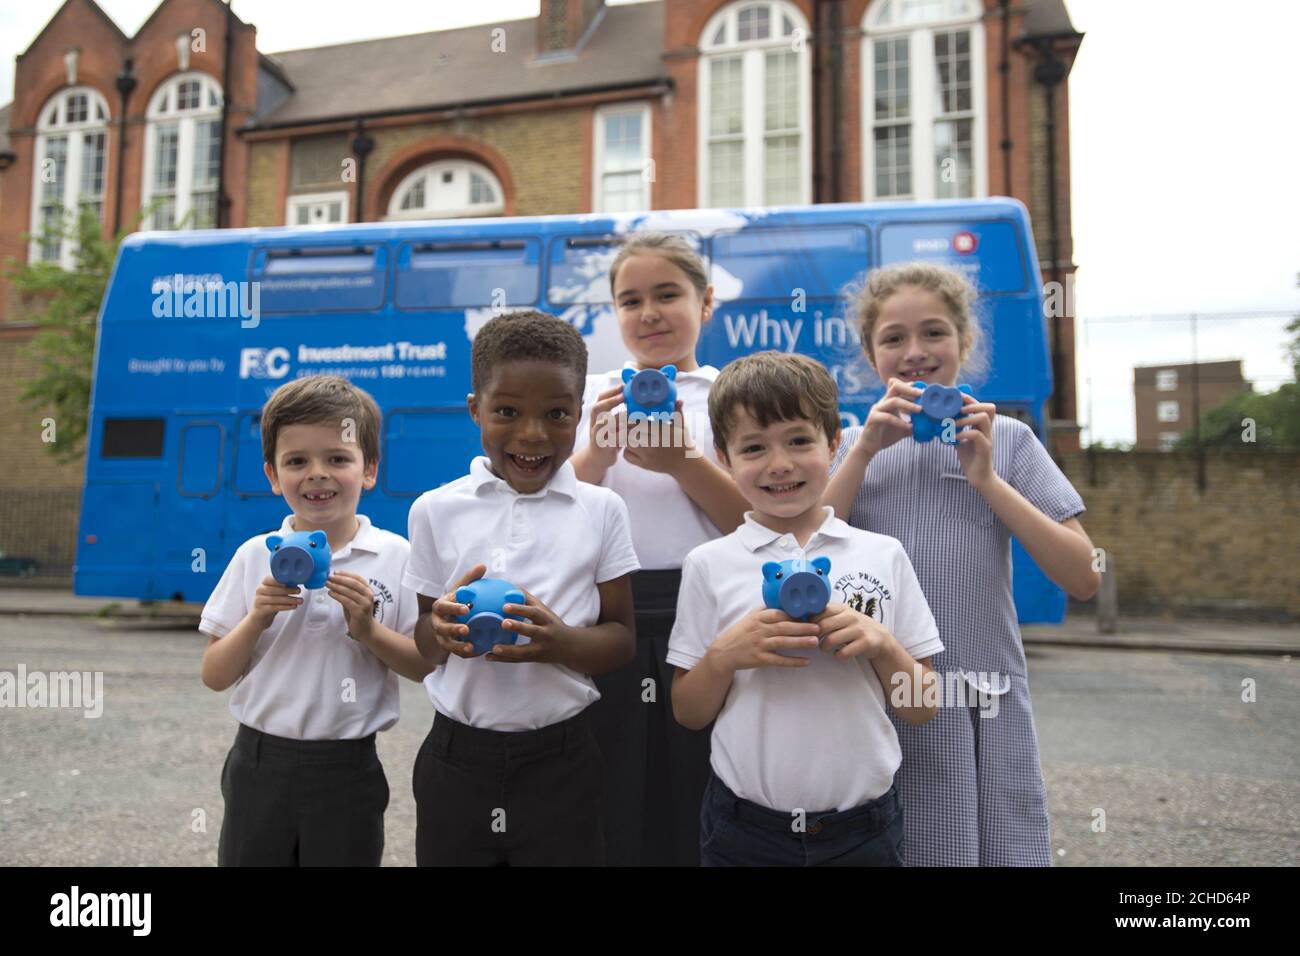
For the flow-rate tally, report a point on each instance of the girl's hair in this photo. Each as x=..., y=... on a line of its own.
x=952, y=288
x=672, y=247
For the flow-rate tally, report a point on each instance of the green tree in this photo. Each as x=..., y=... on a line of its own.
x=1275, y=416
x=65, y=304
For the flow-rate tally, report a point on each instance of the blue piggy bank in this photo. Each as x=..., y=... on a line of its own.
x=650, y=393
x=300, y=558
x=486, y=599
x=800, y=588
x=938, y=402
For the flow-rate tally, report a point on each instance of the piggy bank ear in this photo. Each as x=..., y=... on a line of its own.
x=670, y=371
x=627, y=375
x=823, y=565
x=464, y=595
x=318, y=539
x=770, y=570
x=515, y=596
x=273, y=542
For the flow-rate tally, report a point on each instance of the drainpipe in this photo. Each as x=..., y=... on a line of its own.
x=362, y=145
x=126, y=83
x=1004, y=70
x=837, y=83
x=1049, y=72
x=223, y=201
x=819, y=53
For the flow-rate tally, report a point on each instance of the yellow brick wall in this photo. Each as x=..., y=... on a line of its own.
x=263, y=185
x=1235, y=542
x=544, y=151
x=39, y=495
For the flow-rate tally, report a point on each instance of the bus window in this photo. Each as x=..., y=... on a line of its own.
x=200, y=465
x=579, y=268
x=425, y=448
x=989, y=254
x=497, y=273
x=132, y=438
x=309, y=279
x=776, y=263
x=250, y=479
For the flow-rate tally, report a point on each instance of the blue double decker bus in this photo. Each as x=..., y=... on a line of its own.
x=198, y=328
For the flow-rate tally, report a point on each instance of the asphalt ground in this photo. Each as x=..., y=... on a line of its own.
x=1185, y=772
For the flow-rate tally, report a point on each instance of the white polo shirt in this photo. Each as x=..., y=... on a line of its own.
x=666, y=524
x=813, y=738
x=307, y=679
x=557, y=543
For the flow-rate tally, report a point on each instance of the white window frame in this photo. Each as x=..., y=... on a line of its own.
x=1163, y=409
x=300, y=200
x=753, y=86
x=922, y=91
x=1167, y=380
x=186, y=122
x=468, y=211
x=48, y=128
x=1166, y=440
x=599, y=172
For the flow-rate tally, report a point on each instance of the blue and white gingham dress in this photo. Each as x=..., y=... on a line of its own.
x=971, y=786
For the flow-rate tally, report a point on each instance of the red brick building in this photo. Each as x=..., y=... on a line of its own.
x=1168, y=399
x=585, y=107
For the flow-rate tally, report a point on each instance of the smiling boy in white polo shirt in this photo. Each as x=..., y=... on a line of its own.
x=314, y=671
x=803, y=752
x=510, y=772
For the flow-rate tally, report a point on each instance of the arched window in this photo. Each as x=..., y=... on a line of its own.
x=755, y=102
x=183, y=152
x=71, y=162
x=923, y=100
x=448, y=189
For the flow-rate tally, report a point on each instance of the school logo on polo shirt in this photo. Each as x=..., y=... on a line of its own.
x=865, y=593
x=383, y=600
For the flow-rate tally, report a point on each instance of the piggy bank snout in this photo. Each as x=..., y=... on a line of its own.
x=803, y=593
x=650, y=390
x=940, y=401
x=292, y=564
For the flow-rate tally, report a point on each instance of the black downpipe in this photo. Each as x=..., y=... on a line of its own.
x=1004, y=70
x=837, y=83
x=1049, y=72
x=126, y=83
x=223, y=201
x=362, y=144
x=818, y=75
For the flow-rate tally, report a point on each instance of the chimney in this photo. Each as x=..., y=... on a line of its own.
x=561, y=24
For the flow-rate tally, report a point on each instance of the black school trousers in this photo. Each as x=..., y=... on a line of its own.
x=655, y=769
x=509, y=798
x=302, y=802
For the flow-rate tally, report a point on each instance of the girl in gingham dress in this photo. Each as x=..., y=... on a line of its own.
x=970, y=781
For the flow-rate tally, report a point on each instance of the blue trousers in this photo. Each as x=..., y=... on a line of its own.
x=738, y=832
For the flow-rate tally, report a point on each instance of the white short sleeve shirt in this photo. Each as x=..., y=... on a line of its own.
x=557, y=543
x=814, y=738
x=666, y=524
x=307, y=679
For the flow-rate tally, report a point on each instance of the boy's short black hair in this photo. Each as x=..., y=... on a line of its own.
x=527, y=335
x=773, y=387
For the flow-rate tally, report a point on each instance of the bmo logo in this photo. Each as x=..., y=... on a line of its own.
x=264, y=363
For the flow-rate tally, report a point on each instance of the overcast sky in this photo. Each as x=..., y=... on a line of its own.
x=1185, y=154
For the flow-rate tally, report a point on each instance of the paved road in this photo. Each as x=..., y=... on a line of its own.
x=1186, y=773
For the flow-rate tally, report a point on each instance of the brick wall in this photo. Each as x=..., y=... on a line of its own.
x=40, y=496
x=1232, y=545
